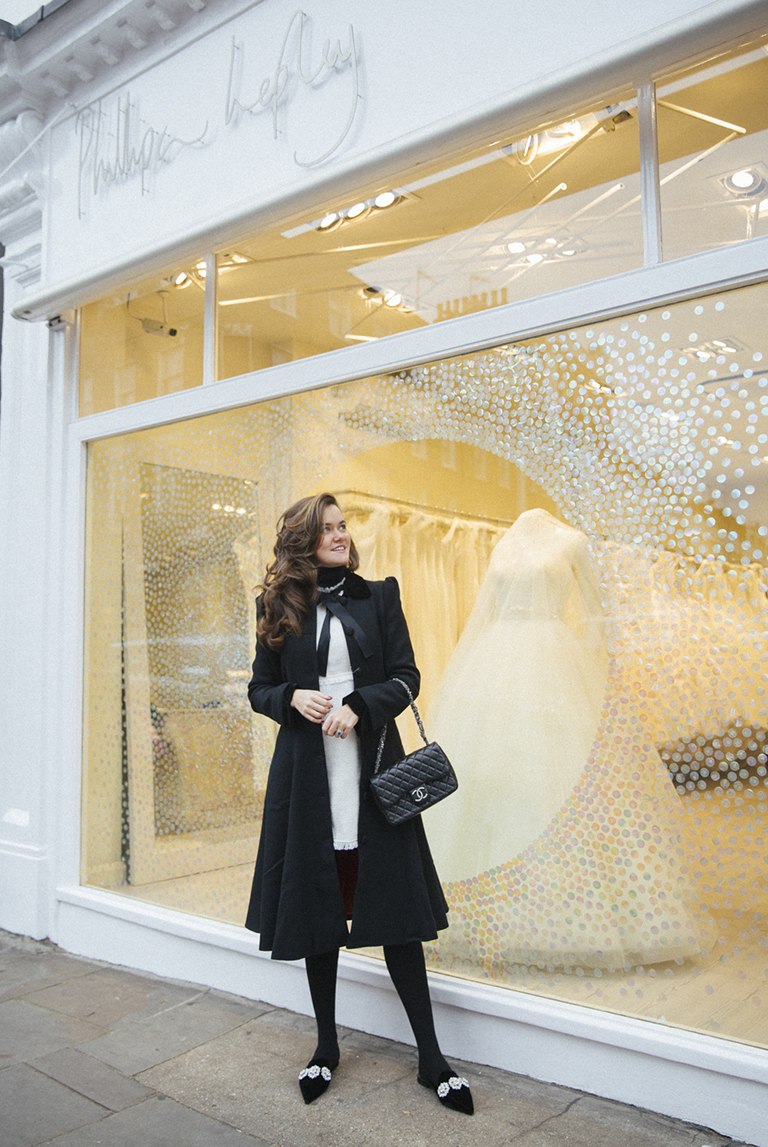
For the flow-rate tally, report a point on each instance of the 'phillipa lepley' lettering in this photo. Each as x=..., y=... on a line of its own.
x=291, y=62
x=114, y=147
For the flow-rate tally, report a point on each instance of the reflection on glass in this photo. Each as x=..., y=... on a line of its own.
x=528, y=216
x=144, y=341
x=713, y=145
x=630, y=873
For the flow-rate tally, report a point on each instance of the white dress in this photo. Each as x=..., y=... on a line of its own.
x=342, y=754
x=565, y=844
x=518, y=706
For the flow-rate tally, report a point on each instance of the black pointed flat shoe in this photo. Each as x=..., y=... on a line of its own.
x=452, y=1090
x=315, y=1078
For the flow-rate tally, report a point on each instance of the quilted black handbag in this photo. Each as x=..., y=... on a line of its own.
x=414, y=783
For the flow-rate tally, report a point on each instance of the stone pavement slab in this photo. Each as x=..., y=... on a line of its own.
x=34, y=1108
x=136, y=1046
x=593, y=1122
x=106, y=996
x=20, y=969
x=248, y=1078
x=158, y=1122
x=27, y=1032
x=180, y=1064
x=92, y=1078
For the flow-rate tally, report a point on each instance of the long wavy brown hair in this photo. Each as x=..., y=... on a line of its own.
x=290, y=583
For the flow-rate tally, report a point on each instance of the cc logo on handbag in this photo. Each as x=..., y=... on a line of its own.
x=420, y=794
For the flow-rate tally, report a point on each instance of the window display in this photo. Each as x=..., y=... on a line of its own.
x=581, y=541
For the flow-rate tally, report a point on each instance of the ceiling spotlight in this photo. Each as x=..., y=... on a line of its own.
x=181, y=280
x=386, y=199
x=570, y=251
x=551, y=242
x=515, y=248
x=355, y=210
x=328, y=221
x=746, y=181
x=534, y=258
x=392, y=299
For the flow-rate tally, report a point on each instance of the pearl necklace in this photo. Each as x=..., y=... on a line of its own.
x=330, y=588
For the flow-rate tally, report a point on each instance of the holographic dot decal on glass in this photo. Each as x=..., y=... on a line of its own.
x=579, y=524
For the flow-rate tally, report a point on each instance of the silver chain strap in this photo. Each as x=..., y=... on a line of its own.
x=383, y=737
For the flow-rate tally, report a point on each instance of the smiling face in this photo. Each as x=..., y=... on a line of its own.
x=333, y=544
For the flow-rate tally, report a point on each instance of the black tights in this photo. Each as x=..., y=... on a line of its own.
x=405, y=963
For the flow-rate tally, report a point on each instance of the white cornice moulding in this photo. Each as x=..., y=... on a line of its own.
x=95, y=42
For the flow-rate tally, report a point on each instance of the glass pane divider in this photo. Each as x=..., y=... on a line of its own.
x=649, y=174
x=210, y=342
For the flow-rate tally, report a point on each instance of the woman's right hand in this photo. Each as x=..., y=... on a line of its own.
x=313, y=705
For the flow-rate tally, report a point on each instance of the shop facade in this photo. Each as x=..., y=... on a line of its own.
x=473, y=274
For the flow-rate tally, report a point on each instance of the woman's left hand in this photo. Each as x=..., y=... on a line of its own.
x=340, y=722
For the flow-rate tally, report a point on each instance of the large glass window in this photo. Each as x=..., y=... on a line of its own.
x=143, y=341
x=520, y=217
x=611, y=814
x=713, y=153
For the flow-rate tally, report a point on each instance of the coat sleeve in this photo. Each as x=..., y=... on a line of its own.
x=383, y=702
x=268, y=692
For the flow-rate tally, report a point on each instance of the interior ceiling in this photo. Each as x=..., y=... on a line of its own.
x=448, y=236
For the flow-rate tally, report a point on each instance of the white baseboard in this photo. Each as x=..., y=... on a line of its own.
x=23, y=895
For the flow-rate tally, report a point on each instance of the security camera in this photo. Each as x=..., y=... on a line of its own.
x=155, y=327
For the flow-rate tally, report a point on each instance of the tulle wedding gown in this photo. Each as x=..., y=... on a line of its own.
x=519, y=703
x=565, y=843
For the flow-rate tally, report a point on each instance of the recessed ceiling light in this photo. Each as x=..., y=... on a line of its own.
x=515, y=248
x=355, y=210
x=551, y=242
x=534, y=258
x=328, y=221
x=386, y=199
x=392, y=299
x=744, y=179
x=570, y=251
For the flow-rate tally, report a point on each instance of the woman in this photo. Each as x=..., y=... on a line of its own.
x=329, y=646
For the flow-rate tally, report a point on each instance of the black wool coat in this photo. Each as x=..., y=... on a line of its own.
x=296, y=903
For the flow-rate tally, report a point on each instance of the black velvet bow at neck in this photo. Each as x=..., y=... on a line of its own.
x=340, y=585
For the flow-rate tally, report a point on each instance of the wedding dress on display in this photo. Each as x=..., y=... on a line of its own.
x=518, y=706
x=565, y=843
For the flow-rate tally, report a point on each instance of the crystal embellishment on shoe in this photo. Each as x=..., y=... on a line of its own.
x=315, y=1070
x=456, y=1082
x=315, y=1078
x=452, y=1091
